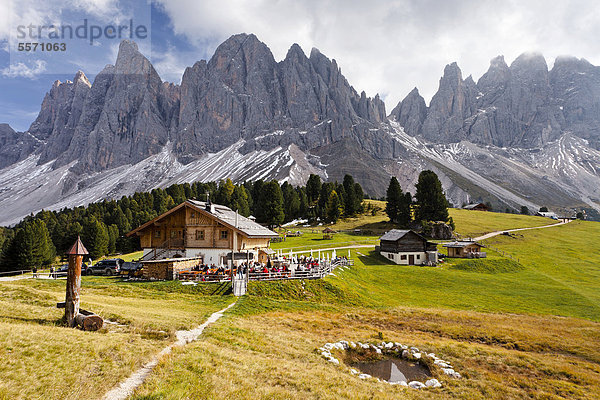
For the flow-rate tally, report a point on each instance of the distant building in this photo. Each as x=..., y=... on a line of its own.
x=476, y=207
x=407, y=247
x=207, y=231
x=547, y=214
x=464, y=249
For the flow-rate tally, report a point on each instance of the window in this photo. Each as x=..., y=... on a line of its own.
x=200, y=235
x=418, y=256
x=224, y=234
x=390, y=256
x=173, y=234
x=403, y=257
x=157, y=234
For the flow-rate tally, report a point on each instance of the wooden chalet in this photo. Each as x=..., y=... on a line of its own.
x=465, y=249
x=213, y=233
x=407, y=247
x=476, y=207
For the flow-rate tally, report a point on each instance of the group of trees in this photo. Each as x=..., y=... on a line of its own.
x=37, y=239
x=273, y=204
x=429, y=204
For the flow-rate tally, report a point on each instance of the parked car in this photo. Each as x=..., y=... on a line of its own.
x=131, y=269
x=106, y=267
x=63, y=269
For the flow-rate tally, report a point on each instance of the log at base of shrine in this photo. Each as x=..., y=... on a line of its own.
x=89, y=322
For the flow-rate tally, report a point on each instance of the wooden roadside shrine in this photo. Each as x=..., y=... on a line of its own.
x=73, y=315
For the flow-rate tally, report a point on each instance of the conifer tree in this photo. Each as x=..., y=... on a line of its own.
x=431, y=203
x=313, y=188
x=394, y=199
x=95, y=237
x=271, y=204
x=334, y=207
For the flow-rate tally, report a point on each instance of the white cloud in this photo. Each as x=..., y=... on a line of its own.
x=106, y=9
x=170, y=64
x=21, y=70
x=388, y=47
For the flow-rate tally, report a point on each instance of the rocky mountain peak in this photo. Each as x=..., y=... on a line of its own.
x=452, y=75
x=131, y=61
x=411, y=112
x=530, y=66
x=498, y=63
x=295, y=54
x=80, y=78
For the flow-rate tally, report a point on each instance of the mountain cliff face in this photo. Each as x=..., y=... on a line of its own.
x=523, y=105
x=246, y=116
x=15, y=146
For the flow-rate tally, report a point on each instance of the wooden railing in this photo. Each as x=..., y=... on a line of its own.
x=324, y=269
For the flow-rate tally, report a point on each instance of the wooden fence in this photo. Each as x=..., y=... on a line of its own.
x=324, y=269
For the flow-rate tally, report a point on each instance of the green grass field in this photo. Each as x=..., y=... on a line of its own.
x=526, y=329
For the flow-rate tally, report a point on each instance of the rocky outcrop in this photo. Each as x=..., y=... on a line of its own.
x=575, y=87
x=125, y=116
x=411, y=112
x=15, y=146
x=521, y=105
x=59, y=116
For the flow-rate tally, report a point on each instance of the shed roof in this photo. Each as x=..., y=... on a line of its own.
x=474, y=205
x=461, y=243
x=396, y=234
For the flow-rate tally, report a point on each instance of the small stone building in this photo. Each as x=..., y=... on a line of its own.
x=406, y=247
x=464, y=249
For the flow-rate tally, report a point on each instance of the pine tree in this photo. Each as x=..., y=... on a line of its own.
x=271, y=208
x=431, y=201
x=334, y=207
x=359, y=196
x=304, y=207
x=291, y=201
x=404, y=210
x=394, y=198
x=313, y=188
x=95, y=237
x=239, y=201
x=225, y=192
x=113, y=235
x=326, y=189
x=350, y=204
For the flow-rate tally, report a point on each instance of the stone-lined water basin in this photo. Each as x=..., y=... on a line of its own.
x=395, y=370
x=391, y=362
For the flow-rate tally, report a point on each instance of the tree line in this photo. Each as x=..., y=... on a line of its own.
x=39, y=238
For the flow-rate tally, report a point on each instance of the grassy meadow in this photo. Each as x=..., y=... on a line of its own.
x=526, y=329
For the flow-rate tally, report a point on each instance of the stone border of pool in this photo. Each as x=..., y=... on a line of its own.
x=390, y=348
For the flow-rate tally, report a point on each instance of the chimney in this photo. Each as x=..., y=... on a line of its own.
x=209, y=206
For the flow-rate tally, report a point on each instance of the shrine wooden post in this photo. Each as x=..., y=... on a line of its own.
x=75, y=253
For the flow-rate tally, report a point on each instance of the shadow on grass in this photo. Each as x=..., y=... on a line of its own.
x=38, y=321
x=374, y=258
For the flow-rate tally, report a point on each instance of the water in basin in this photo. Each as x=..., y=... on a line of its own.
x=394, y=370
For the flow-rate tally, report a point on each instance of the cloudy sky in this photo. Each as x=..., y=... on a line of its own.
x=385, y=47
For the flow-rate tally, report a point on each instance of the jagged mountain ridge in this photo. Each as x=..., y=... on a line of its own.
x=524, y=105
x=245, y=116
